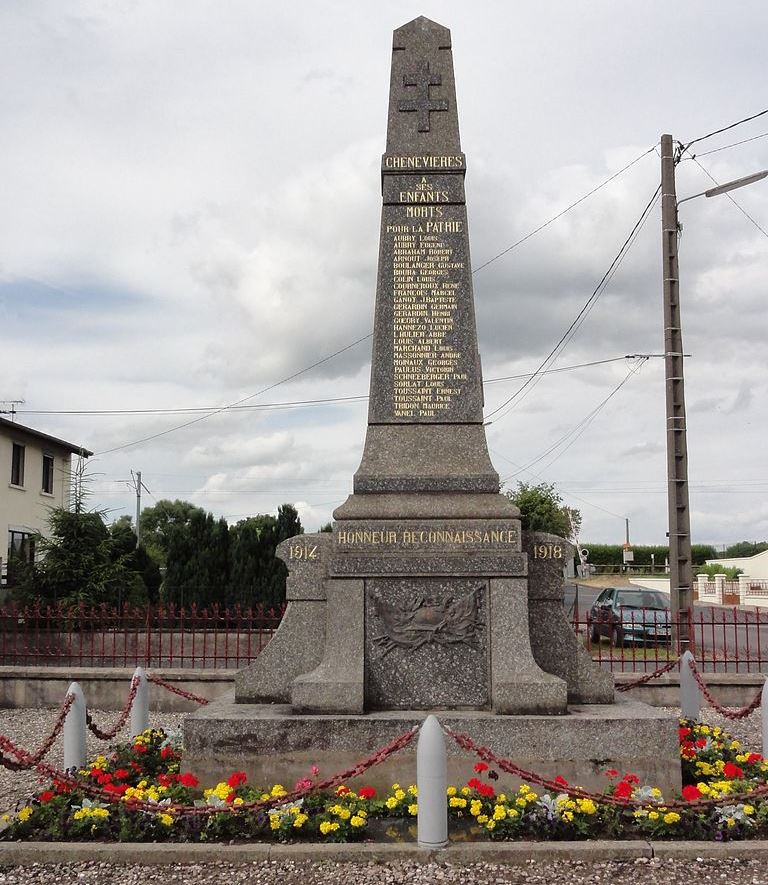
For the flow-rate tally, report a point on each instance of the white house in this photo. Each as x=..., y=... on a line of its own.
x=35, y=471
x=755, y=567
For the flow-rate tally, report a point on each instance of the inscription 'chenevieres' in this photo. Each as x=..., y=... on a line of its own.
x=455, y=162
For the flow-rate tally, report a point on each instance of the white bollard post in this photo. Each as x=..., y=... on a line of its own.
x=764, y=718
x=432, y=783
x=140, y=708
x=690, y=694
x=74, y=730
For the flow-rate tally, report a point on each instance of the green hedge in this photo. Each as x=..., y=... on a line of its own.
x=613, y=554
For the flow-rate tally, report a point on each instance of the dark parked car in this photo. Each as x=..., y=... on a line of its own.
x=630, y=614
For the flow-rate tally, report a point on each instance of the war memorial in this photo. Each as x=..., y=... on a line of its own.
x=426, y=596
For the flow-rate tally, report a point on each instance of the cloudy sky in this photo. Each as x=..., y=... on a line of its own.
x=190, y=211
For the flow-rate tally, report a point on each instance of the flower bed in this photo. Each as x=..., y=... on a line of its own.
x=140, y=792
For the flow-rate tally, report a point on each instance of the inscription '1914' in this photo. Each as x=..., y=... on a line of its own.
x=306, y=552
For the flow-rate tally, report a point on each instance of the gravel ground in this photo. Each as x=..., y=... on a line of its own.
x=29, y=727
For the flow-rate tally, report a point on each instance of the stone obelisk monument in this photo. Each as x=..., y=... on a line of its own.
x=426, y=595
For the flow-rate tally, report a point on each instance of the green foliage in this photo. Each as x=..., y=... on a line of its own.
x=197, y=553
x=730, y=572
x=542, y=510
x=612, y=554
x=158, y=523
x=82, y=564
x=745, y=548
x=328, y=527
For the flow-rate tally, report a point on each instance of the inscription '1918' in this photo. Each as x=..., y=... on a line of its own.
x=547, y=551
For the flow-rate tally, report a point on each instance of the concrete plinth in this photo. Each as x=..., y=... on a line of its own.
x=274, y=744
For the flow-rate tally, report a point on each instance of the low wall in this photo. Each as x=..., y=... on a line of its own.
x=106, y=688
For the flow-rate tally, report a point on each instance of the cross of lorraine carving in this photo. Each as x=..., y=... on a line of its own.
x=423, y=105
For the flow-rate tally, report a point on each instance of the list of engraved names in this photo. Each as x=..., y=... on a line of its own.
x=428, y=368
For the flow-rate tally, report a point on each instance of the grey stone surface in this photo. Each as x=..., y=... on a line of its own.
x=431, y=564
x=519, y=685
x=336, y=685
x=556, y=647
x=295, y=648
x=271, y=743
x=426, y=644
x=425, y=458
x=306, y=557
x=427, y=505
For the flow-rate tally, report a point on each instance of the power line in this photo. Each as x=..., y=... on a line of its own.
x=237, y=402
x=733, y=144
x=737, y=205
x=289, y=404
x=726, y=128
x=578, y=429
x=563, y=211
x=582, y=314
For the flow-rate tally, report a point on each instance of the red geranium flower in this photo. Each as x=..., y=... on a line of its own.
x=187, y=779
x=366, y=792
x=237, y=778
x=486, y=790
x=121, y=774
x=753, y=758
x=691, y=793
x=117, y=789
x=611, y=772
x=623, y=790
x=480, y=767
x=139, y=748
x=683, y=733
x=732, y=771
x=342, y=790
x=561, y=781
x=631, y=778
x=701, y=742
x=167, y=752
x=46, y=796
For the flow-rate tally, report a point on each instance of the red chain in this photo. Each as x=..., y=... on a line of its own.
x=45, y=748
x=122, y=719
x=24, y=760
x=741, y=713
x=156, y=680
x=506, y=765
x=626, y=686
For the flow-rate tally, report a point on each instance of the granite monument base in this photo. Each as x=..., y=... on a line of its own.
x=274, y=744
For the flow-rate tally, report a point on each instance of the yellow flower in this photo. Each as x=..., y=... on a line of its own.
x=451, y=791
x=344, y=813
x=301, y=819
x=395, y=786
x=586, y=806
x=749, y=809
x=274, y=822
x=512, y=813
x=165, y=819
x=399, y=795
x=671, y=817
x=483, y=818
x=656, y=793
x=731, y=821
x=640, y=813
x=502, y=797
x=391, y=803
x=238, y=800
x=277, y=790
x=568, y=815
x=413, y=790
x=25, y=813
x=465, y=791
x=454, y=802
x=653, y=815
x=357, y=821
x=499, y=812
x=491, y=825
x=475, y=807
x=735, y=745
x=327, y=827
x=703, y=729
x=521, y=803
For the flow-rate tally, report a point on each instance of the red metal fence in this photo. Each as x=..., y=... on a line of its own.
x=724, y=639
x=157, y=636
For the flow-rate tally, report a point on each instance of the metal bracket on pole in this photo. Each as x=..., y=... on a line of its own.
x=432, y=783
x=74, y=729
x=140, y=708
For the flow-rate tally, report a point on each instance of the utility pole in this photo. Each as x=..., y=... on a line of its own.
x=138, y=485
x=680, y=568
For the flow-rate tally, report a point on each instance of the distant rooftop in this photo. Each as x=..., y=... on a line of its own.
x=54, y=440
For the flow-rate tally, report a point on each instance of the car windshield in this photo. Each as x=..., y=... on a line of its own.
x=642, y=599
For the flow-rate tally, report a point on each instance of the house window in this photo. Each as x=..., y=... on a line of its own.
x=21, y=549
x=48, y=474
x=17, y=465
